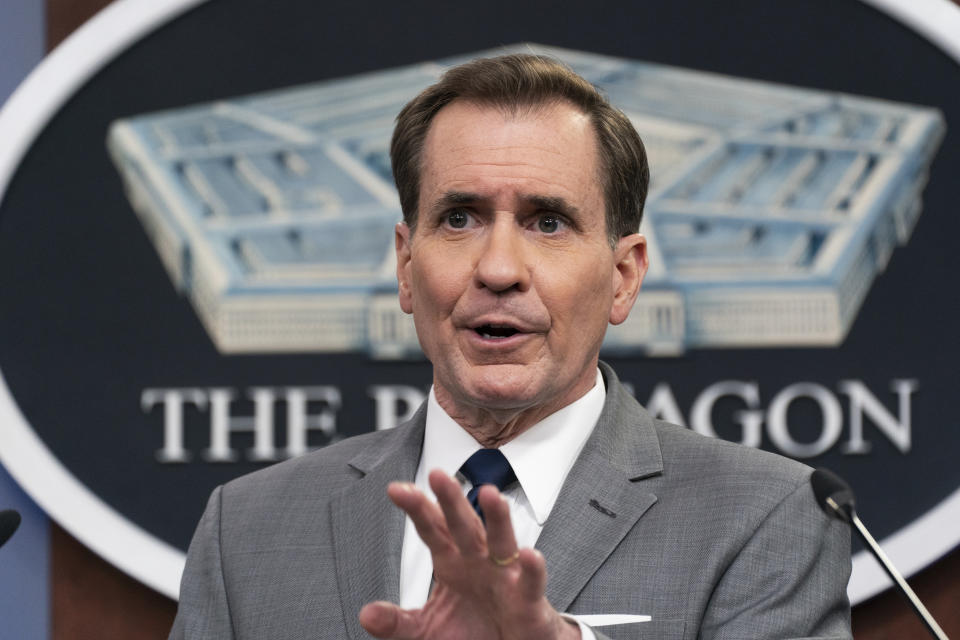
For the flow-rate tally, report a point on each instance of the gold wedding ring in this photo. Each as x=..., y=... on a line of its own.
x=503, y=562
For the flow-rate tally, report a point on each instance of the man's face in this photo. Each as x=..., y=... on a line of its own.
x=510, y=275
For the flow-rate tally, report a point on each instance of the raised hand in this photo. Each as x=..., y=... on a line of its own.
x=485, y=587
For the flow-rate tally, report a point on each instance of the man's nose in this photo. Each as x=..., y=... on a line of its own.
x=503, y=261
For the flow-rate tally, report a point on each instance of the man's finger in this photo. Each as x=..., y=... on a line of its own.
x=462, y=521
x=387, y=620
x=532, y=583
x=426, y=516
x=501, y=541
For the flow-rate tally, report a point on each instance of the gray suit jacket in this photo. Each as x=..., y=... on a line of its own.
x=709, y=538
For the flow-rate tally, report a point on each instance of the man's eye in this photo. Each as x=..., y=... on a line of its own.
x=458, y=219
x=549, y=224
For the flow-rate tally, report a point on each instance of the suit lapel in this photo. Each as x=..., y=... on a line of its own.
x=368, y=528
x=601, y=499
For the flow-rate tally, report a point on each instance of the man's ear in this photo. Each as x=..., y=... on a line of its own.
x=401, y=236
x=631, y=263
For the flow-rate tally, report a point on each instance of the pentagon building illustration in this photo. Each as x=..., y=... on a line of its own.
x=772, y=208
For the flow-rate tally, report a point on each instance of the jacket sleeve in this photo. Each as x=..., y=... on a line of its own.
x=789, y=580
x=204, y=611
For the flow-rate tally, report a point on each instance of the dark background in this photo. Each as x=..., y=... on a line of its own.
x=90, y=319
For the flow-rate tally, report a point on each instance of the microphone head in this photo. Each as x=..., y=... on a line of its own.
x=9, y=521
x=833, y=494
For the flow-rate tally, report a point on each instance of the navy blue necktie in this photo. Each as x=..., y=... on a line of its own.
x=487, y=466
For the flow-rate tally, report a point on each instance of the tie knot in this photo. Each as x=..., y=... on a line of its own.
x=488, y=466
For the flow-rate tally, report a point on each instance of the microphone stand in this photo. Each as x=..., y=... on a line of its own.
x=851, y=516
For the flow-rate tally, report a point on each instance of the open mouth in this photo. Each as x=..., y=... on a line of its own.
x=491, y=331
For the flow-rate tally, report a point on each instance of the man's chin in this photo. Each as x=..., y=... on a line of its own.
x=503, y=386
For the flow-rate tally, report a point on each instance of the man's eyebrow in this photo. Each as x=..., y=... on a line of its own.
x=555, y=204
x=455, y=197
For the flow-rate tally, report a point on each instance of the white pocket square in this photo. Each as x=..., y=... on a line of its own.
x=607, y=619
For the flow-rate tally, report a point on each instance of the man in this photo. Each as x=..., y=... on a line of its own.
x=522, y=191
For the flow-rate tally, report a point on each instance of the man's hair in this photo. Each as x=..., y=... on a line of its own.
x=512, y=82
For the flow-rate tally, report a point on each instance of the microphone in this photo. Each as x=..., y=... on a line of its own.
x=836, y=498
x=9, y=521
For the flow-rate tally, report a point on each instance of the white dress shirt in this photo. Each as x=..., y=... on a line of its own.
x=541, y=458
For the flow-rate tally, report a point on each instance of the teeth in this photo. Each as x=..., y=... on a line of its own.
x=495, y=331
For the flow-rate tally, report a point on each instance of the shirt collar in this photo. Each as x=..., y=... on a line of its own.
x=541, y=456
